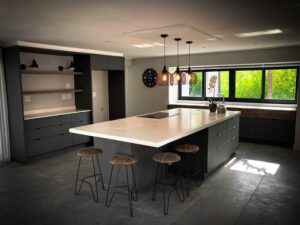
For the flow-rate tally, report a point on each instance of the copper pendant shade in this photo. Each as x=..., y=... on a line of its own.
x=178, y=75
x=164, y=78
x=192, y=77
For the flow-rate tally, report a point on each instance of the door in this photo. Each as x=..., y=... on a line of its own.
x=100, y=96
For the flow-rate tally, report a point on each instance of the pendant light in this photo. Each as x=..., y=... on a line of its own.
x=164, y=78
x=178, y=75
x=192, y=77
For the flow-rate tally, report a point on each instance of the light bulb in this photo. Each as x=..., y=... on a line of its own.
x=189, y=77
x=164, y=77
x=178, y=76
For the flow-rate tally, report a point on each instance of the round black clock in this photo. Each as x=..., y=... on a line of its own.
x=149, y=77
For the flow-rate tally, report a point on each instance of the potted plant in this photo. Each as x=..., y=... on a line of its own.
x=212, y=105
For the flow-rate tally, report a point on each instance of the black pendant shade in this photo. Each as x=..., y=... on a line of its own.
x=164, y=78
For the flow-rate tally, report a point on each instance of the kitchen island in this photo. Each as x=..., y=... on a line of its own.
x=216, y=134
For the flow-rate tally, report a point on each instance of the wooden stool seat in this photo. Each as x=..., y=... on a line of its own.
x=166, y=157
x=187, y=148
x=123, y=159
x=89, y=152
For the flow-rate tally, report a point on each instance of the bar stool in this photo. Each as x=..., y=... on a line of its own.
x=125, y=161
x=187, y=150
x=166, y=159
x=93, y=153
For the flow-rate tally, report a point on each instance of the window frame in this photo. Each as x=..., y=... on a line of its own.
x=232, y=72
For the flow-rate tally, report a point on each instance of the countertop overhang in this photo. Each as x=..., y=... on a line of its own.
x=155, y=132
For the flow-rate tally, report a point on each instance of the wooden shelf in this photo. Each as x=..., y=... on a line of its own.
x=52, y=91
x=50, y=72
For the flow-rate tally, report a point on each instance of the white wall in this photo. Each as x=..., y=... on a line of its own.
x=140, y=99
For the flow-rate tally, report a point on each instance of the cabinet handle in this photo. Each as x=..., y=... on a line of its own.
x=38, y=139
x=62, y=134
x=61, y=124
x=37, y=128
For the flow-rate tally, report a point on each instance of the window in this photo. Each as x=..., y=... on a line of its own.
x=270, y=85
x=248, y=83
x=280, y=84
x=193, y=90
x=217, y=84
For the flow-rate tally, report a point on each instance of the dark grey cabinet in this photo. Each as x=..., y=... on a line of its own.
x=223, y=140
x=48, y=134
x=101, y=62
x=272, y=130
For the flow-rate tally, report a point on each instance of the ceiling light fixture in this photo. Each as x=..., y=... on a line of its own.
x=142, y=45
x=192, y=77
x=164, y=78
x=259, y=33
x=178, y=75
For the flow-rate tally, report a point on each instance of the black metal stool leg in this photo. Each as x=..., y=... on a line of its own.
x=100, y=172
x=129, y=193
x=96, y=186
x=134, y=184
x=155, y=181
x=181, y=185
x=108, y=189
x=78, y=167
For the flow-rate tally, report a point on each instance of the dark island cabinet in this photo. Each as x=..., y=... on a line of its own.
x=49, y=134
x=223, y=139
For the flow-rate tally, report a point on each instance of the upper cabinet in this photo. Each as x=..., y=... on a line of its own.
x=101, y=62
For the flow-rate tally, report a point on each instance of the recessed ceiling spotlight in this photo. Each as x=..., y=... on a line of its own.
x=142, y=45
x=259, y=33
x=211, y=39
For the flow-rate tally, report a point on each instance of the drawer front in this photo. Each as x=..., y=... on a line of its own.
x=61, y=141
x=287, y=124
x=247, y=132
x=80, y=139
x=268, y=123
x=37, y=133
x=249, y=122
x=265, y=133
x=57, y=120
x=38, y=146
x=82, y=116
x=36, y=123
x=213, y=131
x=60, y=129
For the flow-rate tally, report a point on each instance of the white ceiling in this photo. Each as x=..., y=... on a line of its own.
x=115, y=25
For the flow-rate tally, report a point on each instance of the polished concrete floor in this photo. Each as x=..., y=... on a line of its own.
x=260, y=186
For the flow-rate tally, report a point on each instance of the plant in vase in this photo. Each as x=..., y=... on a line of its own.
x=212, y=105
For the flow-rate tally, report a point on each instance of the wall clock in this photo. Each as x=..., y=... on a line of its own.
x=149, y=77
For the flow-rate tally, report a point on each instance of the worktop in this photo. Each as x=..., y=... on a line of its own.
x=155, y=132
x=54, y=113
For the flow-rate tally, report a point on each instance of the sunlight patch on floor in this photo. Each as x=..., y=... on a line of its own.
x=253, y=166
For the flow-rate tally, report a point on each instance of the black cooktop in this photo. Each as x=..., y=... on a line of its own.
x=159, y=115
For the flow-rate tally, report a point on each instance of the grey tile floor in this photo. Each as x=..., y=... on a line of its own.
x=243, y=192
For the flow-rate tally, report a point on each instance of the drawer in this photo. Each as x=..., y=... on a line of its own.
x=247, y=132
x=82, y=116
x=79, y=124
x=271, y=123
x=61, y=141
x=214, y=131
x=80, y=139
x=265, y=133
x=38, y=146
x=60, y=129
x=57, y=120
x=288, y=124
x=36, y=123
x=37, y=133
x=247, y=122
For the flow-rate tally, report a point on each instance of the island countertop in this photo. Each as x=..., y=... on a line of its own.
x=155, y=132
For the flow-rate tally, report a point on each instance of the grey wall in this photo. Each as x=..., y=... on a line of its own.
x=48, y=82
x=297, y=130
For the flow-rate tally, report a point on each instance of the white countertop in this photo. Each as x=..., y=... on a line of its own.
x=242, y=105
x=54, y=113
x=155, y=132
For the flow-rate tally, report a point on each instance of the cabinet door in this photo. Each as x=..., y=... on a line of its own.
x=81, y=116
x=36, y=123
x=63, y=119
x=38, y=146
x=61, y=141
x=78, y=138
x=247, y=132
x=37, y=133
x=116, y=63
x=60, y=129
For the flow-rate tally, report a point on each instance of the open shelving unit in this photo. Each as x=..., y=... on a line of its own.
x=50, y=72
x=52, y=91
